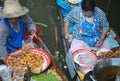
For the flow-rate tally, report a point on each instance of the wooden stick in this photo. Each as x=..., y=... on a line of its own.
x=56, y=36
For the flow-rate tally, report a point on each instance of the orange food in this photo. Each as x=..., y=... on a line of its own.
x=32, y=59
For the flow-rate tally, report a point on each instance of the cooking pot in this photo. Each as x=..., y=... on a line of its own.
x=106, y=69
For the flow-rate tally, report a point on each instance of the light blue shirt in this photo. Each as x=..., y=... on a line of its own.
x=4, y=33
x=75, y=17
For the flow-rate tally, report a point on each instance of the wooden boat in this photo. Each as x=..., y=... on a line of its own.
x=78, y=76
x=53, y=66
x=66, y=45
x=52, y=73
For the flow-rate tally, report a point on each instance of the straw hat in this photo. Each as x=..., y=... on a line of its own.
x=12, y=8
x=74, y=1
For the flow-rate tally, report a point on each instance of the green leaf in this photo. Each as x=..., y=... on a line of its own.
x=38, y=23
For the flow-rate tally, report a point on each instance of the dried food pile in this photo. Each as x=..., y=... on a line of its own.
x=110, y=54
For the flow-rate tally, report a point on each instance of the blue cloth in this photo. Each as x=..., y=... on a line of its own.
x=65, y=8
x=112, y=42
x=15, y=38
x=89, y=31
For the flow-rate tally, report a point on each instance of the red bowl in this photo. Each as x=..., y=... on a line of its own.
x=44, y=54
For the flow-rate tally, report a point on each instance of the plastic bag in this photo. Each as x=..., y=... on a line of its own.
x=18, y=74
x=27, y=44
x=5, y=73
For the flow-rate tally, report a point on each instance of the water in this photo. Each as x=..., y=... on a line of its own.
x=46, y=12
x=110, y=7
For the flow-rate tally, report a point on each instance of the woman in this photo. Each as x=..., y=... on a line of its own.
x=13, y=27
x=66, y=6
x=91, y=28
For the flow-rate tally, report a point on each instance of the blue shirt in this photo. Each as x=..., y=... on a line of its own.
x=4, y=33
x=65, y=7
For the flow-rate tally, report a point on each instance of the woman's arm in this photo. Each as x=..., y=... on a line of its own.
x=66, y=33
x=29, y=23
x=104, y=24
x=100, y=42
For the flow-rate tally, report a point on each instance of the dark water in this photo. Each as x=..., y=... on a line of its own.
x=111, y=7
x=46, y=12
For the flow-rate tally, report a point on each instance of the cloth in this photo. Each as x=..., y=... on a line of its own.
x=89, y=31
x=14, y=41
x=65, y=7
x=4, y=33
x=80, y=44
x=112, y=42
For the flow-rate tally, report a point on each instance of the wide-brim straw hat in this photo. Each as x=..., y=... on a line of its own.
x=74, y=1
x=12, y=8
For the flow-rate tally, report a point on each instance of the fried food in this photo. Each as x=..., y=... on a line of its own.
x=110, y=54
x=33, y=59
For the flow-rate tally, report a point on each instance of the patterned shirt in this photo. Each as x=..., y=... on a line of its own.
x=75, y=17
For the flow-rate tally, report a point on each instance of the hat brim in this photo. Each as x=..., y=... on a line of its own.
x=16, y=14
x=73, y=2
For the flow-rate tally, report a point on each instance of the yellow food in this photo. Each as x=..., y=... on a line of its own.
x=81, y=75
x=32, y=59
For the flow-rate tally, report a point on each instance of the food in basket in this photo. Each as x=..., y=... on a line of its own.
x=37, y=59
x=29, y=58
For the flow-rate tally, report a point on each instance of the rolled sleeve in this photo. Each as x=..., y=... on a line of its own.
x=68, y=18
x=72, y=16
x=29, y=23
x=103, y=20
x=104, y=23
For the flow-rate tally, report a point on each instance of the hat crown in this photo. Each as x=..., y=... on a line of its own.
x=11, y=6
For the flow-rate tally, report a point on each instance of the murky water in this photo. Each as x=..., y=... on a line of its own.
x=46, y=12
x=112, y=12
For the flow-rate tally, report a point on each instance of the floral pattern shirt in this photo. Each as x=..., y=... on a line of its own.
x=75, y=17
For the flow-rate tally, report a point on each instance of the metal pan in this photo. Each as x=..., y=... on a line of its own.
x=106, y=69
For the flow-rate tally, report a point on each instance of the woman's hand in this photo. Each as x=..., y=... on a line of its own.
x=67, y=35
x=33, y=33
x=99, y=43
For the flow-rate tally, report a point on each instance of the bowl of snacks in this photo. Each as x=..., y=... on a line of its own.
x=37, y=59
